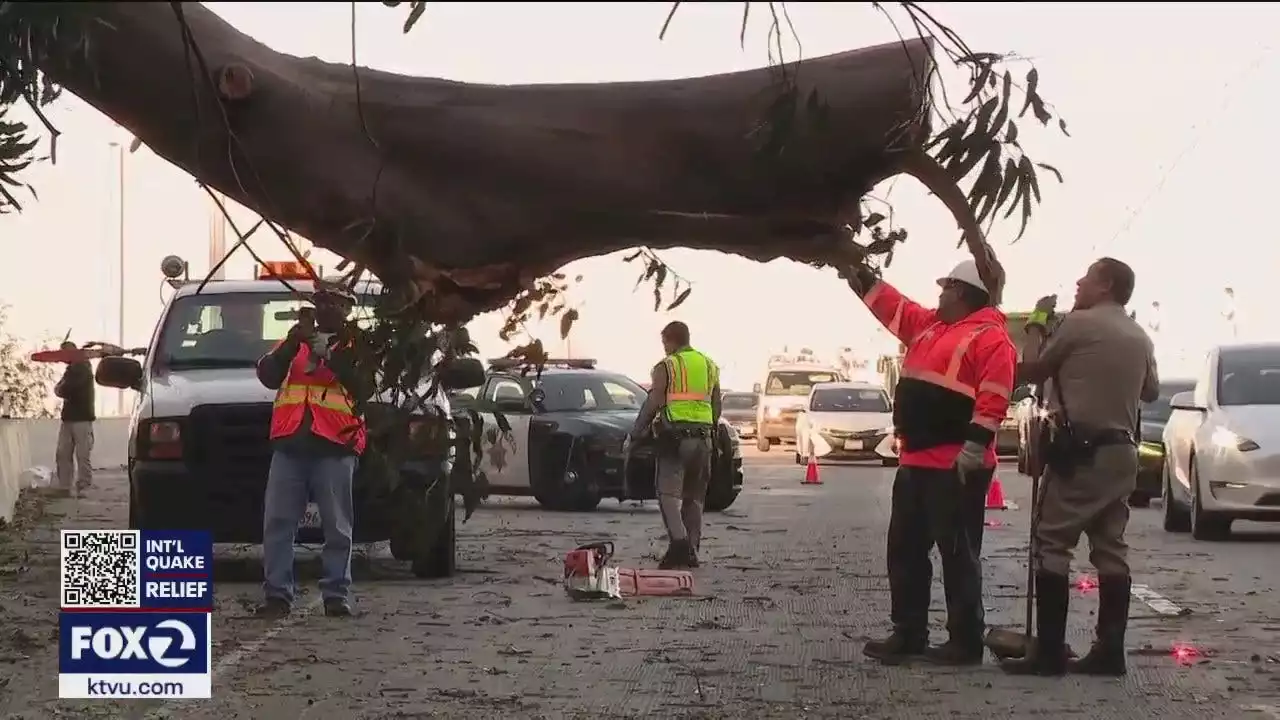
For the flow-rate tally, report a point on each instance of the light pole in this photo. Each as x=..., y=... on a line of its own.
x=119, y=153
x=217, y=234
x=1229, y=313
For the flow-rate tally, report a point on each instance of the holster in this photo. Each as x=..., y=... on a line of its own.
x=1070, y=447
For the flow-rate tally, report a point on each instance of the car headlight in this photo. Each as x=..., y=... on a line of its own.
x=1228, y=440
x=1151, y=449
x=773, y=412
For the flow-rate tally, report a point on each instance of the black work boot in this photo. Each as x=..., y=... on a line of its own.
x=956, y=652
x=1106, y=657
x=679, y=556
x=899, y=647
x=273, y=608
x=1049, y=656
x=336, y=607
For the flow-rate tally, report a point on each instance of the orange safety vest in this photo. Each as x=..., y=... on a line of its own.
x=332, y=416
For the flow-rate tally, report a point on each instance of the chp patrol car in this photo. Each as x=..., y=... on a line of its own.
x=199, y=446
x=560, y=437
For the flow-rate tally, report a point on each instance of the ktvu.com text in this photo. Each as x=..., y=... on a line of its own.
x=136, y=615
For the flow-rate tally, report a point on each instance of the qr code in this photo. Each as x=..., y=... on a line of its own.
x=100, y=568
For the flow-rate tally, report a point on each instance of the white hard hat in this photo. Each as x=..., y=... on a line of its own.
x=967, y=273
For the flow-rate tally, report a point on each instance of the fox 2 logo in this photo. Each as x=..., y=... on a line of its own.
x=132, y=642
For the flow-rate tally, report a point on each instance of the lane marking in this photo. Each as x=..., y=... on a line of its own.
x=1155, y=600
x=242, y=652
x=250, y=648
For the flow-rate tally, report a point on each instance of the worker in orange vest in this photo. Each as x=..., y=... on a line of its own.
x=953, y=393
x=318, y=438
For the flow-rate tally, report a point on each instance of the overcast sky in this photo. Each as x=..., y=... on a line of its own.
x=1164, y=170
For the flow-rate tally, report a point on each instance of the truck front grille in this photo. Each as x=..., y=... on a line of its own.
x=223, y=440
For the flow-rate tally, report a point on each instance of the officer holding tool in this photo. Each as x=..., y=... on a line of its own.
x=953, y=393
x=1101, y=366
x=682, y=411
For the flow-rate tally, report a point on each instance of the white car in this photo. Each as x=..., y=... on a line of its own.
x=844, y=421
x=1222, y=444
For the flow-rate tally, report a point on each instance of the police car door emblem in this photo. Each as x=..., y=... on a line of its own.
x=497, y=451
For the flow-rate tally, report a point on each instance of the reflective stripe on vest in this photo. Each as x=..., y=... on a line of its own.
x=332, y=414
x=325, y=396
x=950, y=379
x=691, y=376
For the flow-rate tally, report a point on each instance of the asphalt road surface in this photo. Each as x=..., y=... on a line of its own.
x=793, y=584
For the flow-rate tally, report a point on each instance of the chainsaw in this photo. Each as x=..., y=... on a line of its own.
x=90, y=351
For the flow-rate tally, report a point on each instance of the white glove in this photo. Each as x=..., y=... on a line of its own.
x=626, y=444
x=972, y=457
x=319, y=344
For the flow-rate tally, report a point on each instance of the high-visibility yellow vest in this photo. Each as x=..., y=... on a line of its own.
x=691, y=376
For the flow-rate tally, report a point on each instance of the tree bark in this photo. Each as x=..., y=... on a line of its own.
x=467, y=192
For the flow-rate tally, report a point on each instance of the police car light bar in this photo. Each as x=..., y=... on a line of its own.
x=286, y=270
x=513, y=363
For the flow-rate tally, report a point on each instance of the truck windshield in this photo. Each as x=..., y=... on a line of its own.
x=739, y=401
x=795, y=383
x=232, y=330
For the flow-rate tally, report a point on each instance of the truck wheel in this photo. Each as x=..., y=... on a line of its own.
x=762, y=444
x=441, y=560
x=134, y=511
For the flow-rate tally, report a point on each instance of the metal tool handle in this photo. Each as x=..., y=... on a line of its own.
x=605, y=548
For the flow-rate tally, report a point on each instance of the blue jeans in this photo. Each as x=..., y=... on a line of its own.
x=291, y=481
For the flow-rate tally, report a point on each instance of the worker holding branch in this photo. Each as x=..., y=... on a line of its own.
x=1101, y=366
x=953, y=393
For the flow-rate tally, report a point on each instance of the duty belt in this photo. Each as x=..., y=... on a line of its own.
x=1112, y=436
x=686, y=431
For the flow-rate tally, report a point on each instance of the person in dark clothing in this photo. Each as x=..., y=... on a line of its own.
x=953, y=393
x=318, y=437
x=75, y=435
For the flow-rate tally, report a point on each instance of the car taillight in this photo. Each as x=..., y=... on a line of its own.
x=164, y=440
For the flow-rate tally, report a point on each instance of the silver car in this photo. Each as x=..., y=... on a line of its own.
x=739, y=409
x=1222, y=444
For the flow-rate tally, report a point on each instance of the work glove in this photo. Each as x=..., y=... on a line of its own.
x=972, y=457
x=860, y=278
x=1042, y=314
x=319, y=344
x=626, y=444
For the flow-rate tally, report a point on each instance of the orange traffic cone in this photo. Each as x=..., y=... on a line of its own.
x=811, y=472
x=995, y=495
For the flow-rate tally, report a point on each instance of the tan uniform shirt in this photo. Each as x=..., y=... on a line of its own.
x=1105, y=364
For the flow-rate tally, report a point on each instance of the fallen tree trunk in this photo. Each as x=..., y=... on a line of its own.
x=467, y=192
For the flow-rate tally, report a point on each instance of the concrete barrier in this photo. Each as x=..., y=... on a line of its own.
x=29, y=443
x=14, y=459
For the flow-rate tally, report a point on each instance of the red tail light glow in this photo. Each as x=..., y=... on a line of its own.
x=1085, y=583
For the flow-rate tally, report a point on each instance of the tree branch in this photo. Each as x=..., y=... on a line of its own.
x=487, y=187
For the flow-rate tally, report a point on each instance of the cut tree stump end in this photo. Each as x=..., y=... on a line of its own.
x=235, y=82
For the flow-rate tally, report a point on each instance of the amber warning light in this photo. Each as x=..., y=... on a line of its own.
x=285, y=270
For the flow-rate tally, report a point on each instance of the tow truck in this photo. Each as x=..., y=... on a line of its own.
x=199, y=447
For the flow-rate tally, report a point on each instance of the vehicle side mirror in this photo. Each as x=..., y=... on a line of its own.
x=462, y=373
x=1020, y=393
x=756, y=388
x=510, y=404
x=1185, y=401
x=121, y=373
